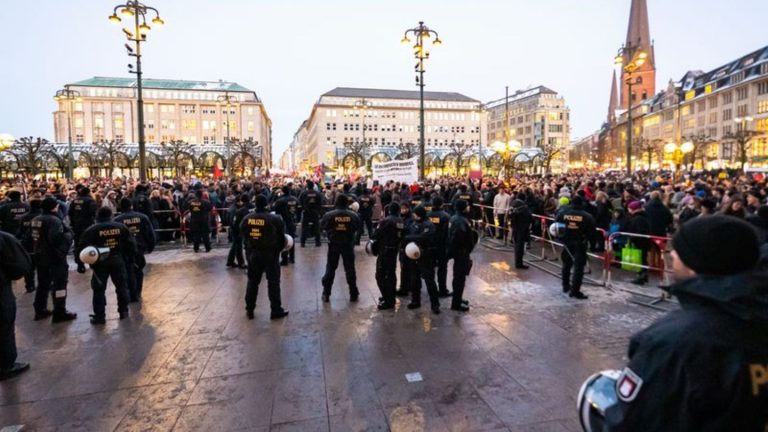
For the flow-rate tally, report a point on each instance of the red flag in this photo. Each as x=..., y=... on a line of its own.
x=216, y=172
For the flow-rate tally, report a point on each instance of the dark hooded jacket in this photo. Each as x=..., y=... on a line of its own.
x=704, y=367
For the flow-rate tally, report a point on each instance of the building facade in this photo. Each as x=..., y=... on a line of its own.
x=537, y=118
x=348, y=128
x=193, y=111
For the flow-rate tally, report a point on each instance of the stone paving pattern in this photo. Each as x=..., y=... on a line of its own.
x=188, y=359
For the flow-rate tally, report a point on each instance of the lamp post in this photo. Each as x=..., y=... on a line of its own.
x=228, y=100
x=480, y=111
x=137, y=11
x=422, y=34
x=362, y=106
x=506, y=149
x=678, y=152
x=634, y=56
x=68, y=96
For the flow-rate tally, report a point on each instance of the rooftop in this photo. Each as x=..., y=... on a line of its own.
x=163, y=84
x=397, y=94
x=520, y=95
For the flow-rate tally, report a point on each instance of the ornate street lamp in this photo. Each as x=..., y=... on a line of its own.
x=227, y=100
x=635, y=57
x=506, y=149
x=678, y=152
x=68, y=96
x=422, y=34
x=137, y=12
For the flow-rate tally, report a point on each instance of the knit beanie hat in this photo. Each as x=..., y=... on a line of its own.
x=48, y=204
x=717, y=245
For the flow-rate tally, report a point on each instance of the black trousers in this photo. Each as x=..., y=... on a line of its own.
x=574, y=255
x=407, y=267
x=259, y=263
x=7, y=326
x=236, y=251
x=115, y=268
x=347, y=254
x=520, y=236
x=386, y=278
x=503, y=230
x=76, y=233
x=200, y=235
x=134, y=267
x=52, y=278
x=366, y=223
x=441, y=263
x=489, y=219
x=310, y=220
x=425, y=270
x=461, y=266
x=29, y=278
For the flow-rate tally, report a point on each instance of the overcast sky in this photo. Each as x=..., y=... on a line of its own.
x=292, y=51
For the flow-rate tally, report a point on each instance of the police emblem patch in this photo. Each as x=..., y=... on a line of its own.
x=628, y=385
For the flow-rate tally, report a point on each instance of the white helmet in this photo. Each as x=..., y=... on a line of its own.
x=557, y=230
x=412, y=251
x=597, y=394
x=288, y=243
x=355, y=206
x=91, y=254
x=369, y=247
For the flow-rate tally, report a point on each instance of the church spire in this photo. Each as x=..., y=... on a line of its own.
x=639, y=31
x=614, y=102
x=644, y=77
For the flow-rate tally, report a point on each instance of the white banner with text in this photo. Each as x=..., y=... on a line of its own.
x=403, y=171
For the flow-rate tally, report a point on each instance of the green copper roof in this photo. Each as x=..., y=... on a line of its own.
x=164, y=84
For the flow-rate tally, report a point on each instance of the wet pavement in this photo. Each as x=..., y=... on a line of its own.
x=188, y=359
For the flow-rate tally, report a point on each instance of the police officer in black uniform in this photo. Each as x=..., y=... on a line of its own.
x=241, y=209
x=579, y=228
x=263, y=237
x=365, y=212
x=143, y=204
x=82, y=212
x=520, y=219
x=407, y=265
x=311, y=206
x=440, y=219
x=12, y=213
x=14, y=263
x=25, y=236
x=704, y=367
x=200, y=221
x=341, y=226
x=422, y=232
x=461, y=241
x=52, y=240
x=287, y=208
x=388, y=237
x=107, y=233
x=144, y=235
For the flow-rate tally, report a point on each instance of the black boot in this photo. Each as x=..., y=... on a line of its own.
x=63, y=316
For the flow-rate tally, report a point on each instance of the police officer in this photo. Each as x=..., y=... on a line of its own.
x=520, y=219
x=704, y=367
x=143, y=204
x=241, y=209
x=407, y=266
x=388, y=237
x=311, y=205
x=199, y=221
x=14, y=263
x=287, y=208
x=82, y=211
x=144, y=235
x=107, y=233
x=341, y=226
x=52, y=240
x=365, y=212
x=440, y=220
x=463, y=194
x=25, y=236
x=461, y=241
x=12, y=213
x=579, y=228
x=422, y=232
x=264, y=237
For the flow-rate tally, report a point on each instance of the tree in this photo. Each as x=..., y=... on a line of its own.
x=357, y=149
x=700, y=143
x=743, y=140
x=408, y=149
x=29, y=152
x=174, y=152
x=646, y=148
x=243, y=149
x=460, y=149
x=108, y=151
x=548, y=153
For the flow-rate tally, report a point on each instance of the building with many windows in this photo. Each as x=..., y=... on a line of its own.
x=537, y=118
x=193, y=111
x=350, y=127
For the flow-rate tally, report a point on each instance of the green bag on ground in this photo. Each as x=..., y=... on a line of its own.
x=631, y=258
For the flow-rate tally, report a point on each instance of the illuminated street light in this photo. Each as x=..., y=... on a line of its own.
x=635, y=57
x=68, y=96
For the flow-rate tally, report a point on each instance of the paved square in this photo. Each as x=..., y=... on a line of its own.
x=188, y=359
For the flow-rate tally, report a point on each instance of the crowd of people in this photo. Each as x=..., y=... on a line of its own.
x=422, y=226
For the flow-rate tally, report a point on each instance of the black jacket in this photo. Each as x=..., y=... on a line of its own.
x=341, y=226
x=82, y=213
x=263, y=232
x=422, y=232
x=141, y=228
x=110, y=234
x=389, y=232
x=704, y=367
x=52, y=239
x=659, y=217
x=579, y=225
x=440, y=219
x=11, y=215
x=638, y=224
x=461, y=238
x=14, y=263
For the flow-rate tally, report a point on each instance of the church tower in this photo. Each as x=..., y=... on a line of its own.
x=644, y=78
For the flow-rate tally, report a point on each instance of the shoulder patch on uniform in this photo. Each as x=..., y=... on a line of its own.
x=628, y=385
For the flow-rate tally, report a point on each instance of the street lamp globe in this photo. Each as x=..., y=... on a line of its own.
x=6, y=140
x=687, y=147
x=670, y=147
x=114, y=19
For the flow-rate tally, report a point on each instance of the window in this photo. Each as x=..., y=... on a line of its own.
x=188, y=109
x=250, y=110
x=762, y=88
x=98, y=107
x=79, y=138
x=119, y=139
x=98, y=122
x=118, y=123
x=741, y=111
x=713, y=117
x=78, y=106
x=117, y=107
x=701, y=106
x=727, y=114
x=727, y=98
x=189, y=124
x=78, y=122
x=762, y=106
x=167, y=108
x=762, y=125
x=742, y=93
x=149, y=108
x=149, y=125
x=713, y=102
x=251, y=126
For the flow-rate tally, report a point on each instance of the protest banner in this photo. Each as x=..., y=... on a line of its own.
x=403, y=171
